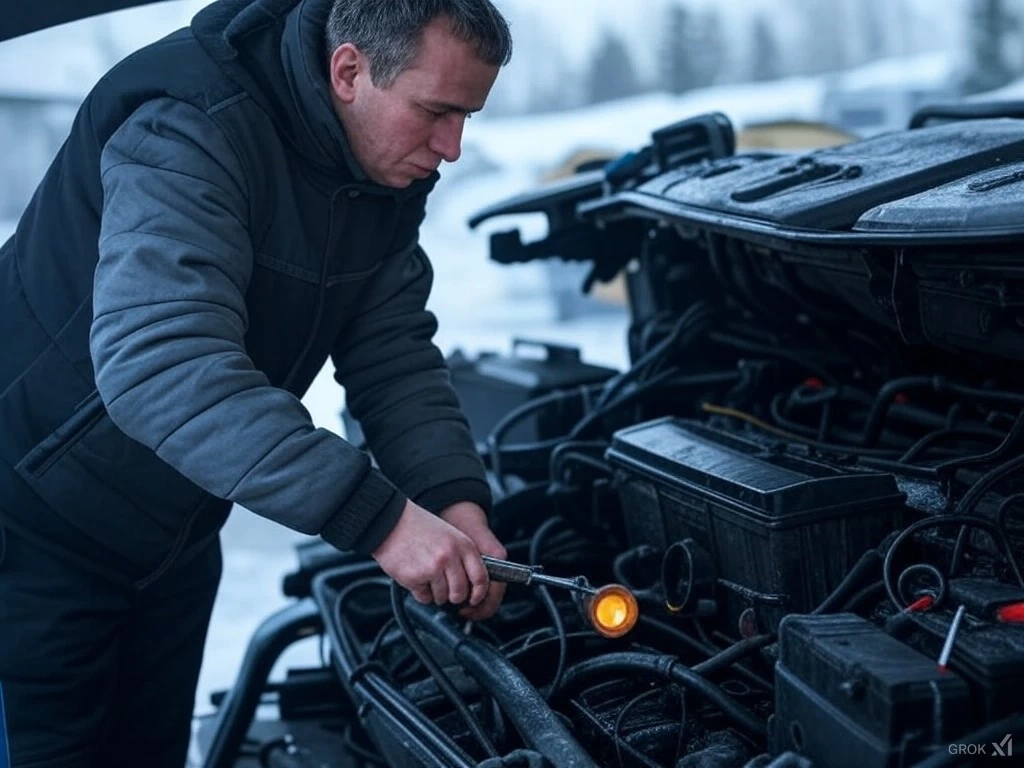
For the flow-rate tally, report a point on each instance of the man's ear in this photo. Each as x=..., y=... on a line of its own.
x=347, y=65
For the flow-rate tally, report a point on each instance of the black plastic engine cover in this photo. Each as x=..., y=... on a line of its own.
x=774, y=523
x=831, y=189
x=849, y=695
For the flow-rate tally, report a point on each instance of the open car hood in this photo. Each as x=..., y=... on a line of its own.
x=24, y=18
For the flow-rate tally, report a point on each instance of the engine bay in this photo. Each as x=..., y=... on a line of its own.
x=809, y=478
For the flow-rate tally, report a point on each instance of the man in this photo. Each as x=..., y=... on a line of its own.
x=235, y=204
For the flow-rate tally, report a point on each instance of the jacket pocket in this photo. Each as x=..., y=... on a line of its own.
x=109, y=487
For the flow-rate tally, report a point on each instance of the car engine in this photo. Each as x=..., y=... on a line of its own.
x=809, y=478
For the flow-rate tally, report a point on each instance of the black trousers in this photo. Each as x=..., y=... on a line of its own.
x=98, y=674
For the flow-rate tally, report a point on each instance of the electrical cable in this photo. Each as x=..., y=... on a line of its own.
x=613, y=385
x=952, y=465
x=875, y=589
x=585, y=460
x=667, y=668
x=771, y=429
x=941, y=583
x=513, y=417
x=663, y=379
x=947, y=433
x=935, y=522
x=938, y=385
x=970, y=500
x=635, y=701
x=554, y=463
x=867, y=564
x=1004, y=509
x=439, y=675
x=538, y=725
x=681, y=738
x=549, y=602
x=772, y=353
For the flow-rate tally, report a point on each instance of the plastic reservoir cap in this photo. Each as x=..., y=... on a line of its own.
x=613, y=610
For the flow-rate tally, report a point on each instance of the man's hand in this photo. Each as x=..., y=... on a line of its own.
x=435, y=561
x=472, y=521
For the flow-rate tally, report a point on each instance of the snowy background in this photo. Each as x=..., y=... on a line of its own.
x=586, y=77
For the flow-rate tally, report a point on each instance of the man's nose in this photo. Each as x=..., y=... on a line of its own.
x=447, y=138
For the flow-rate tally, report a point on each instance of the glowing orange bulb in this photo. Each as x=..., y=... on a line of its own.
x=613, y=611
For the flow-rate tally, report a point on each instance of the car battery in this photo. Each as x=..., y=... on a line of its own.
x=780, y=530
x=492, y=385
x=988, y=651
x=848, y=694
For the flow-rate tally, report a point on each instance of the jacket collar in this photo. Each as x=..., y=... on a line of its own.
x=274, y=49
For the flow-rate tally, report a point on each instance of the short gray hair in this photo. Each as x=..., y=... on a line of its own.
x=389, y=31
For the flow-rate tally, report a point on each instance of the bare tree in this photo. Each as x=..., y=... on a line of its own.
x=612, y=74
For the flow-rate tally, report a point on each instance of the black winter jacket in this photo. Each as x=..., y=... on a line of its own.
x=201, y=245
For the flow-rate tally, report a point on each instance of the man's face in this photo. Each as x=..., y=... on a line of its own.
x=402, y=133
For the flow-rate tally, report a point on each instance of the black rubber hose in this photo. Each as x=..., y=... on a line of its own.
x=873, y=423
x=874, y=591
x=937, y=384
x=497, y=434
x=666, y=380
x=949, y=433
x=952, y=465
x=732, y=654
x=703, y=648
x=780, y=353
x=970, y=500
x=933, y=522
x=539, y=726
x=667, y=668
x=869, y=564
x=438, y=674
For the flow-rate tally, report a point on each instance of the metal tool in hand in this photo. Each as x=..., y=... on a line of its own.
x=612, y=609
x=517, y=573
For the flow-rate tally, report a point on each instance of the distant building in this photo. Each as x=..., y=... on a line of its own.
x=884, y=95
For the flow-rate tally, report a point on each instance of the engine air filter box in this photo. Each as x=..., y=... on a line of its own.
x=850, y=696
x=781, y=530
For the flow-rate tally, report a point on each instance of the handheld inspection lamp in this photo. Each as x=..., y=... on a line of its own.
x=612, y=610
